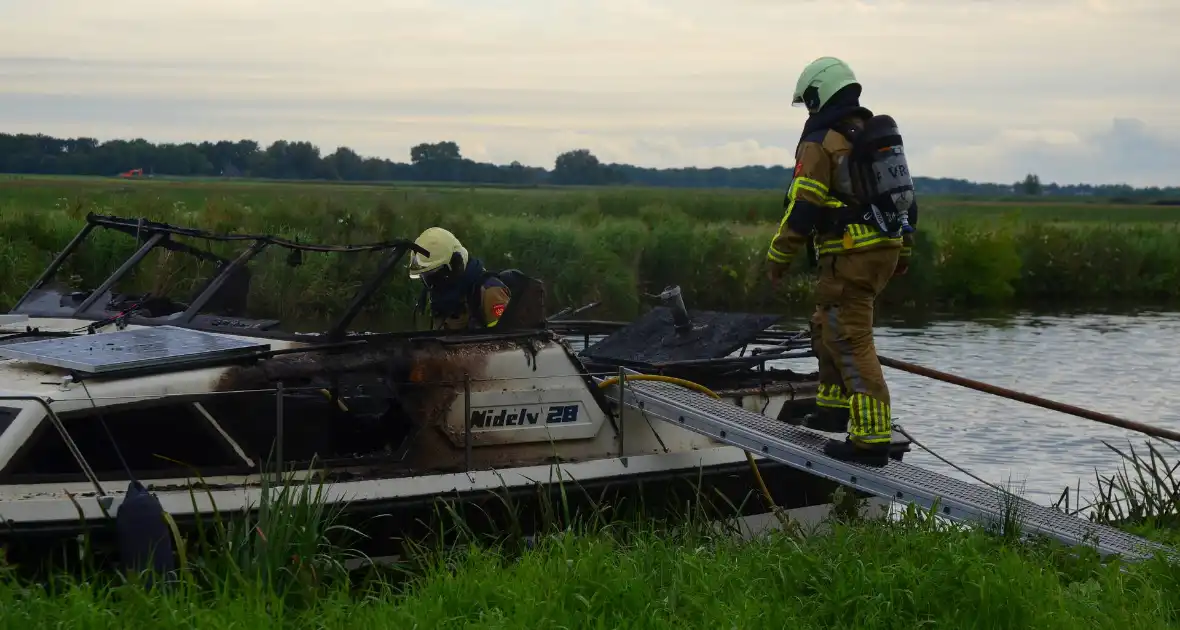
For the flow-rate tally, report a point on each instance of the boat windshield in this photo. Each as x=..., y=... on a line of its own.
x=197, y=278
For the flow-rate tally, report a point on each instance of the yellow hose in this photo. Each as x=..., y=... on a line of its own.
x=708, y=392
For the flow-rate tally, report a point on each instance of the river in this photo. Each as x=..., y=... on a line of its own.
x=1121, y=364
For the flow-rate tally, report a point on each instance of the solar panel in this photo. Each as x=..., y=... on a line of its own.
x=143, y=347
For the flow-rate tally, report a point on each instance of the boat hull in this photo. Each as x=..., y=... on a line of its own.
x=716, y=482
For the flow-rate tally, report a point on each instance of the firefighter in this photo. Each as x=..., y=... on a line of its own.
x=832, y=205
x=461, y=294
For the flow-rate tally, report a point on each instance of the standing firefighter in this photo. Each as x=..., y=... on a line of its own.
x=852, y=197
x=464, y=296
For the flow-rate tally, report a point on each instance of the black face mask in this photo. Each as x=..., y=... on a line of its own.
x=437, y=279
x=449, y=287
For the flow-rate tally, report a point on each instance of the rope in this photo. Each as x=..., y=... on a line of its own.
x=949, y=462
x=110, y=436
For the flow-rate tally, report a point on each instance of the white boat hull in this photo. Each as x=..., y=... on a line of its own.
x=528, y=406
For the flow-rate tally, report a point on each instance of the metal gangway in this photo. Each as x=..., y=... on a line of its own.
x=802, y=449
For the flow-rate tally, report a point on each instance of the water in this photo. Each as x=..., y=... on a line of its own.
x=1124, y=365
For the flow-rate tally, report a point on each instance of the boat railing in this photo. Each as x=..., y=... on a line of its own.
x=152, y=234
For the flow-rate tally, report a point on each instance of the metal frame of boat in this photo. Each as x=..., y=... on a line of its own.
x=393, y=421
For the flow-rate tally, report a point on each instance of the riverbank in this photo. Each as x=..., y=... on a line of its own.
x=284, y=567
x=860, y=574
x=610, y=245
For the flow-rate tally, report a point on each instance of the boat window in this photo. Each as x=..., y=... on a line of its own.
x=315, y=426
x=177, y=278
x=156, y=441
x=7, y=415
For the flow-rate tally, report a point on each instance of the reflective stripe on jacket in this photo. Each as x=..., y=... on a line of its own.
x=811, y=207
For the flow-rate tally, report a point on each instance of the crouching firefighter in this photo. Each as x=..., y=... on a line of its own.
x=851, y=199
x=463, y=296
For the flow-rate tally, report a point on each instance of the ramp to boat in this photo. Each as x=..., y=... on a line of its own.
x=802, y=449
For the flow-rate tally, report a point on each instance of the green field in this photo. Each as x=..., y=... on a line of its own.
x=591, y=244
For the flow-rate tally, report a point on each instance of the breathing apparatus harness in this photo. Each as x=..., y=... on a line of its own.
x=882, y=190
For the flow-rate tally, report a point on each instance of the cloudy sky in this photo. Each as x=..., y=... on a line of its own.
x=1074, y=90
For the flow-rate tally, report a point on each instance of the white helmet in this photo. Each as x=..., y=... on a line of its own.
x=442, y=246
x=820, y=81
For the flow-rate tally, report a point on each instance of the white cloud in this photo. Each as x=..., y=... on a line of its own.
x=659, y=82
x=1125, y=151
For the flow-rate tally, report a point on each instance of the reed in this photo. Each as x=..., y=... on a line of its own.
x=612, y=245
x=1141, y=495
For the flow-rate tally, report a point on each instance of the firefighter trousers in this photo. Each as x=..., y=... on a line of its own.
x=850, y=376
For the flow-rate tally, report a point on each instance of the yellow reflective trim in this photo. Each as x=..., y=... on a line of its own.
x=831, y=396
x=830, y=247
x=859, y=230
x=806, y=181
x=777, y=256
x=797, y=185
x=870, y=420
x=772, y=253
x=867, y=240
x=813, y=186
x=837, y=402
x=833, y=246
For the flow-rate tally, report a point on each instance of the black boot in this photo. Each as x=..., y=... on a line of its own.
x=849, y=451
x=827, y=419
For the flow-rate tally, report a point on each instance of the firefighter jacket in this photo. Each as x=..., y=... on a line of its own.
x=492, y=299
x=812, y=207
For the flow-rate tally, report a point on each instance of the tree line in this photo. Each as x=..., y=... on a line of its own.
x=436, y=162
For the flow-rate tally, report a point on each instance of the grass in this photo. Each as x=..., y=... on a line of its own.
x=592, y=244
x=858, y=576
x=1143, y=494
x=862, y=572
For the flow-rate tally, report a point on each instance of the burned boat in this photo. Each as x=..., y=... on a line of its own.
x=199, y=403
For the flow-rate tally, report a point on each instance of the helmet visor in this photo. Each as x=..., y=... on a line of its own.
x=418, y=266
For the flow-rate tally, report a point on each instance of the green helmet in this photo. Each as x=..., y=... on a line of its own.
x=820, y=80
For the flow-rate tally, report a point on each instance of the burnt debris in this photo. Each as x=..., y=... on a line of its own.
x=673, y=333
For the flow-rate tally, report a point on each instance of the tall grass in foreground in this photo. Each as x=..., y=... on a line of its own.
x=862, y=572
x=867, y=575
x=1143, y=494
x=608, y=245
x=292, y=546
